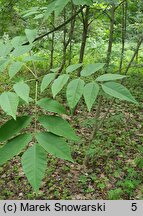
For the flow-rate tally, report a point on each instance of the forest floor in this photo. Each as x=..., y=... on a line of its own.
x=116, y=158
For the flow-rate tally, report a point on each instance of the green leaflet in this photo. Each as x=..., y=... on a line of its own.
x=50, y=9
x=55, y=70
x=60, y=5
x=74, y=92
x=9, y=103
x=22, y=90
x=58, y=126
x=118, y=91
x=73, y=67
x=108, y=77
x=34, y=163
x=90, y=94
x=18, y=41
x=14, y=147
x=12, y=127
x=54, y=145
x=31, y=12
x=39, y=16
x=57, y=6
x=47, y=79
x=5, y=49
x=33, y=58
x=91, y=68
x=3, y=64
x=82, y=2
x=15, y=68
x=18, y=51
x=51, y=106
x=59, y=83
x=31, y=34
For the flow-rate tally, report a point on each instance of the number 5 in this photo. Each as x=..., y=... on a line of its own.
x=134, y=207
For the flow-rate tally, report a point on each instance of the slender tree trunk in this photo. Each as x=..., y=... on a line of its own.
x=71, y=35
x=134, y=55
x=84, y=39
x=66, y=42
x=64, y=45
x=124, y=24
x=110, y=43
x=52, y=43
x=94, y=132
x=84, y=35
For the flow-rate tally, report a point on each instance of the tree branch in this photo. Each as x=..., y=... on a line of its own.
x=58, y=27
x=119, y=4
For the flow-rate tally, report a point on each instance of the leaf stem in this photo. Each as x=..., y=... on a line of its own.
x=35, y=75
x=36, y=98
x=30, y=80
x=34, y=68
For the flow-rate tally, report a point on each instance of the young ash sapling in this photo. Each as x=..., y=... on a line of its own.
x=15, y=55
x=57, y=130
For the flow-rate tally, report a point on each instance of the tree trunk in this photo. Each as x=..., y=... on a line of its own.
x=66, y=43
x=84, y=36
x=124, y=24
x=71, y=36
x=110, y=43
x=52, y=43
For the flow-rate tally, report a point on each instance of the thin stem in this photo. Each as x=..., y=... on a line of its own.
x=35, y=75
x=36, y=92
x=34, y=68
x=36, y=95
x=106, y=114
x=96, y=119
x=36, y=99
x=30, y=80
